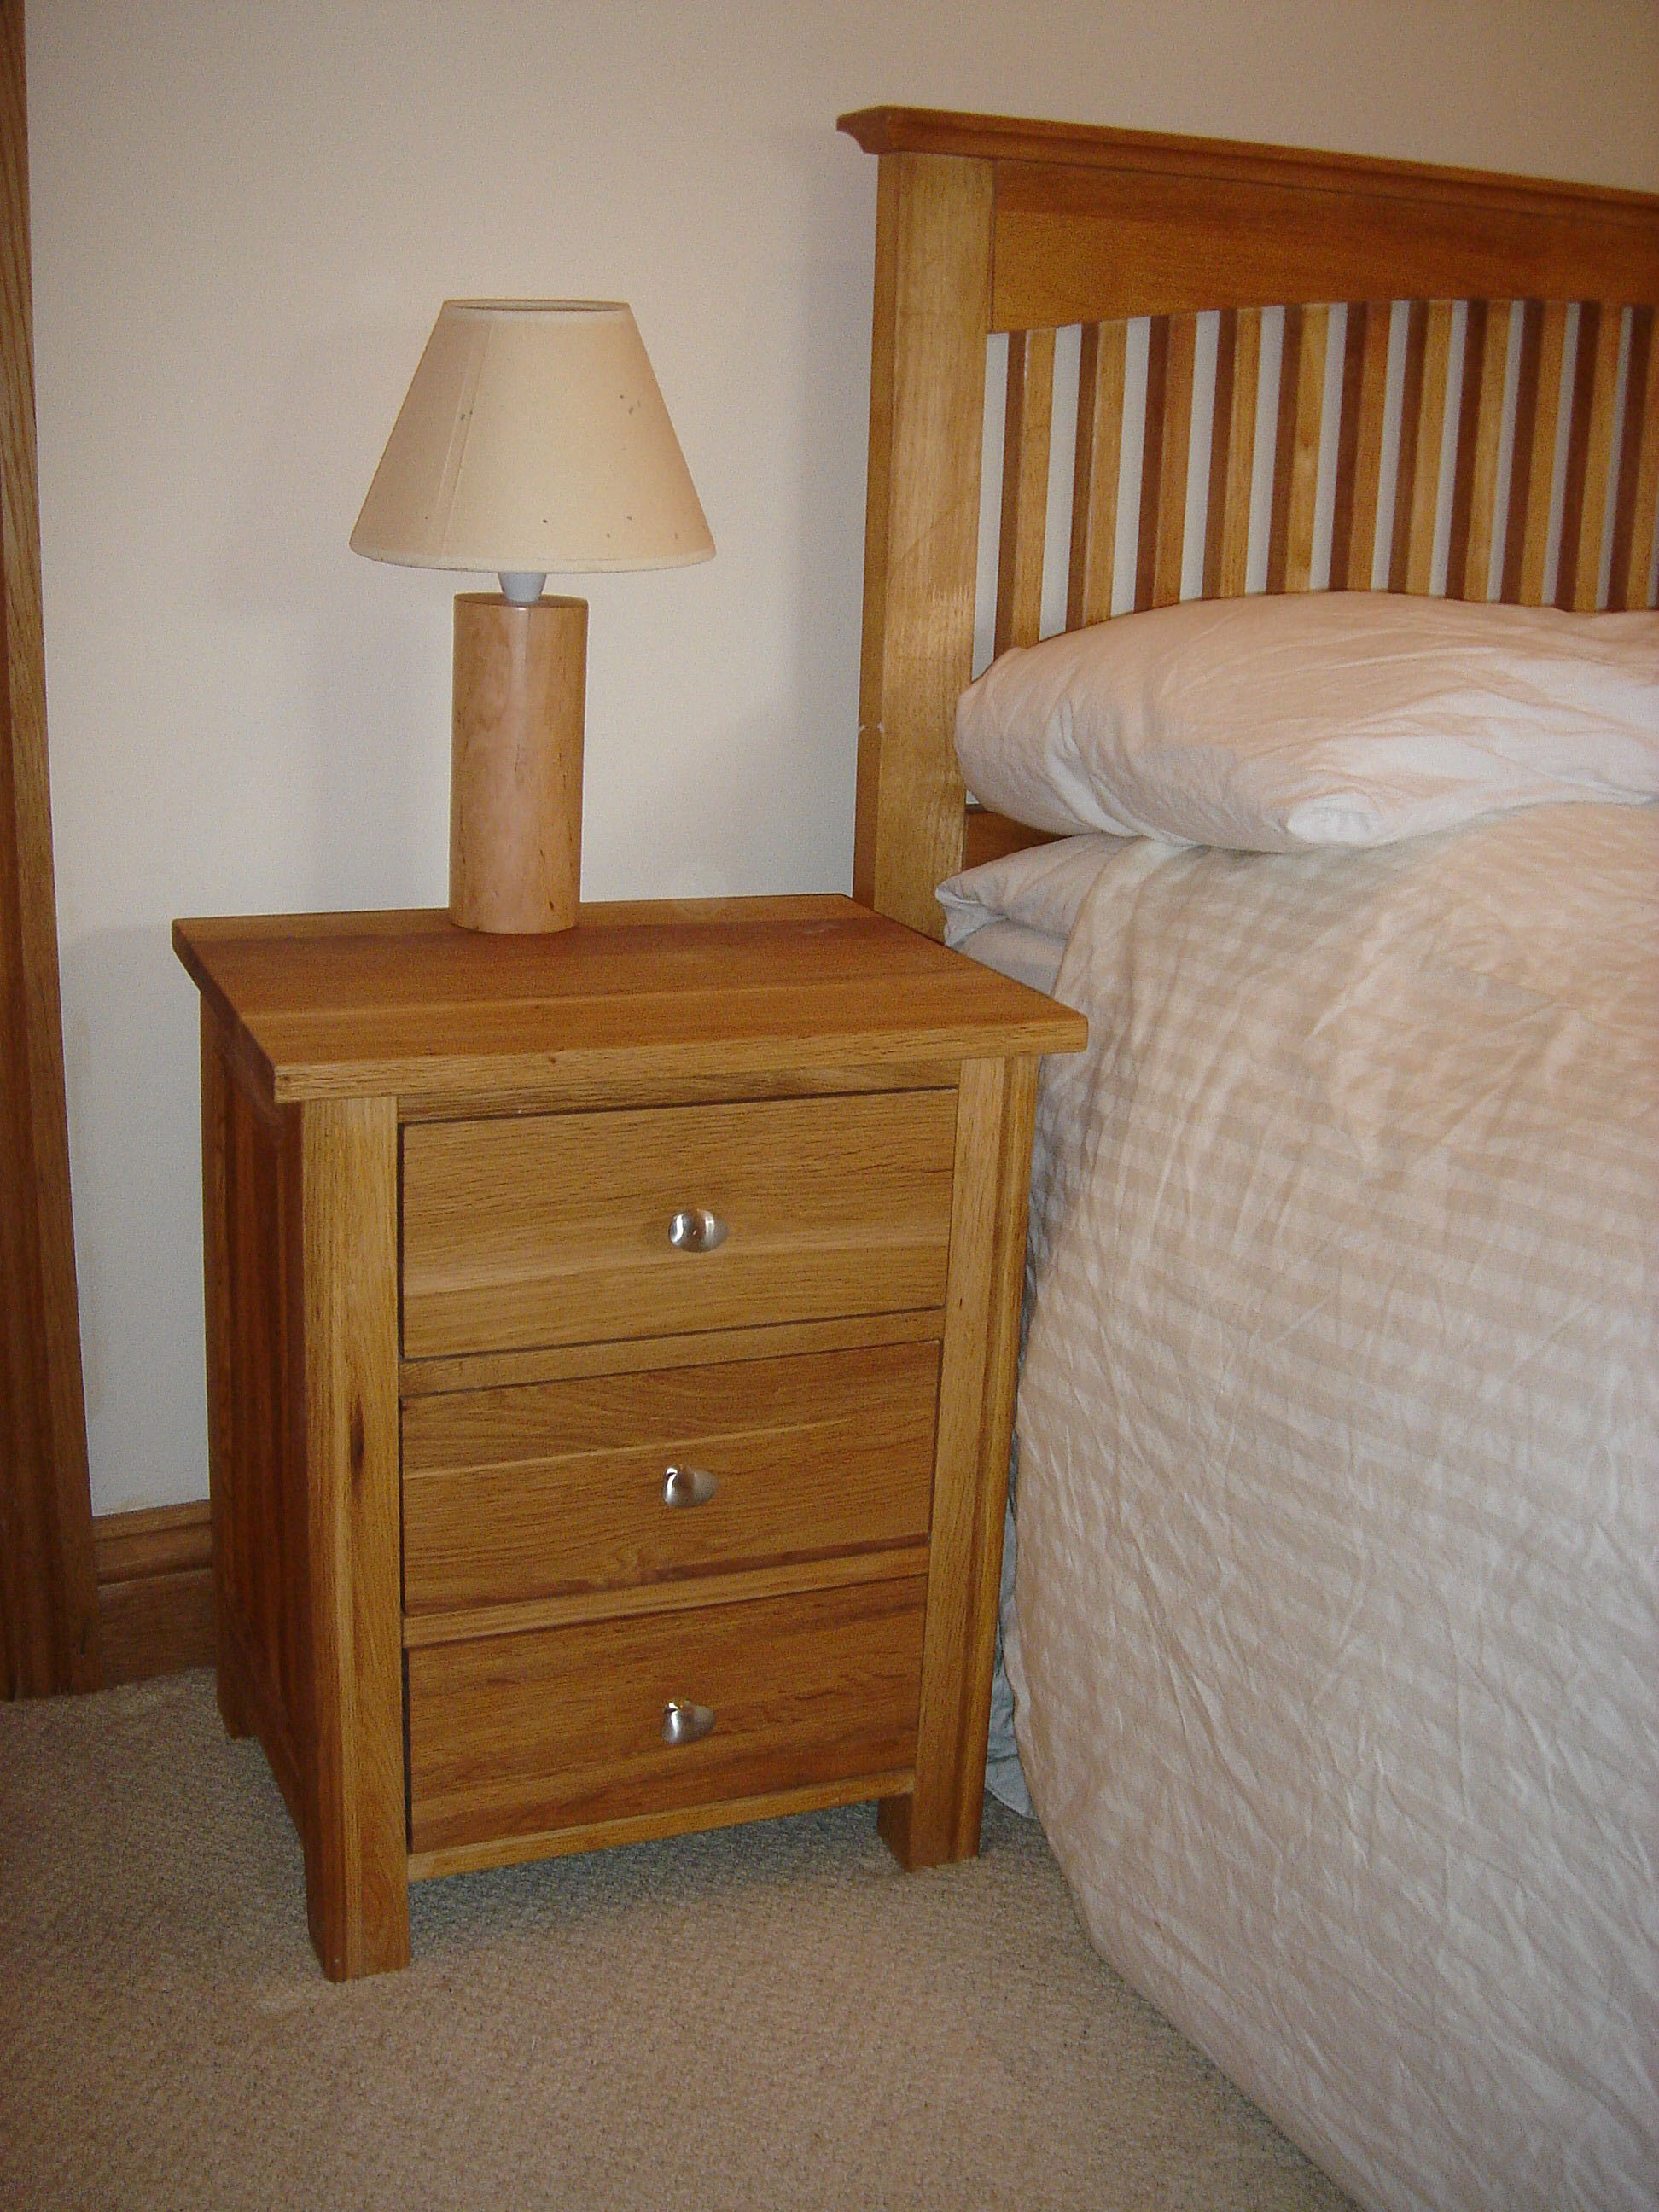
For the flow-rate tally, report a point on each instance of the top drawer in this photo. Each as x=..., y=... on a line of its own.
x=555, y=1228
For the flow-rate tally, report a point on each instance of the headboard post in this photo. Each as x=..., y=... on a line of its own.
x=921, y=524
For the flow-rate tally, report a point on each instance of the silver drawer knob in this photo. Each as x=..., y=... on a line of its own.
x=683, y=1722
x=688, y=1486
x=694, y=1228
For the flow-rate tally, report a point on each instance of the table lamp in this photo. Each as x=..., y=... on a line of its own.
x=533, y=438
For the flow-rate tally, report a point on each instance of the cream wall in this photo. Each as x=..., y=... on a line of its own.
x=244, y=218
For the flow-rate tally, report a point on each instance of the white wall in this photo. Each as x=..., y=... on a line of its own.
x=244, y=218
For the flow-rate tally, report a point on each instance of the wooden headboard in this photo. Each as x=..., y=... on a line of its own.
x=1491, y=428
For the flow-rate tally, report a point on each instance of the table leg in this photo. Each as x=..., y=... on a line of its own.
x=357, y=1858
x=995, y=1106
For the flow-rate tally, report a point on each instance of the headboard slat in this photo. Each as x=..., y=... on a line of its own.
x=1152, y=459
x=1634, y=516
x=1312, y=343
x=1174, y=460
x=1423, y=492
x=1101, y=369
x=1359, y=445
x=1411, y=424
x=1479, y=441
x=1030, y=406
x=1279, y=512
x=1590, y=456
x=1241, y=453
x=1529, y=354
x=1221, y=421
x=1539, y=480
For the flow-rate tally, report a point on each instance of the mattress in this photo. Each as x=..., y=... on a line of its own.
x=1333, y=1637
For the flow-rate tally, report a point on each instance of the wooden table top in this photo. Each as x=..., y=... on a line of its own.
x=358, y=1005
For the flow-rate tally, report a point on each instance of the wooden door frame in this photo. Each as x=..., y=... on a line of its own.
x=49, y=1636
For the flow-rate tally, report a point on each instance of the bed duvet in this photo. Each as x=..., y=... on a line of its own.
x=1333, y=1638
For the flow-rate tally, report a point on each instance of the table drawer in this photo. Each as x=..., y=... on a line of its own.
x=511, y=1735
x=555, y=1228
x=557, y=1487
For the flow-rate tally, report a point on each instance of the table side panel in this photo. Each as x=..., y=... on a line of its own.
x=256, y=1441
x=941, y=1819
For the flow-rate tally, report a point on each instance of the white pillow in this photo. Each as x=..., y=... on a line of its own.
x=1338, y=718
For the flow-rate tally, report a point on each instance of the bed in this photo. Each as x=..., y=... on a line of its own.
x=1333, y=1621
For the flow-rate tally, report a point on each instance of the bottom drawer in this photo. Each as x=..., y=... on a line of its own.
x=558, y=1728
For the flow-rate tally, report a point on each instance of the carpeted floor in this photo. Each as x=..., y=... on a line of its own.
x=772, y=2016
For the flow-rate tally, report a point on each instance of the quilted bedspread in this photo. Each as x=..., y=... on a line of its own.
x=1334, y=1644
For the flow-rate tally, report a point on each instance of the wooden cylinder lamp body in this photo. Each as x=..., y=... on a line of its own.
x=515, y=805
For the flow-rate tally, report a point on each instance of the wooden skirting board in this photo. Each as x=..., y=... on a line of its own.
x=154, y=1590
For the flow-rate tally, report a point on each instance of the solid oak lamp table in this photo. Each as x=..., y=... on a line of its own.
x=610, y=1361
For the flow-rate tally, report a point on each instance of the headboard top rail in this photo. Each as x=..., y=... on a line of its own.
x=1095, y=146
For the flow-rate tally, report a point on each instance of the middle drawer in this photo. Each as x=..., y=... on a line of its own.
x=609, y=1481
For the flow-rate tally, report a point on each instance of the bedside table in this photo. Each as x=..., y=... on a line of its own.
x=610, y=1360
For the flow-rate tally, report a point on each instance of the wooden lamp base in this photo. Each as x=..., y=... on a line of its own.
x=515, y=799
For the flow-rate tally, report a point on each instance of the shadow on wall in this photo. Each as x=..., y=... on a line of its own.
x=368, y=746
x=130, y=1011
x=832, y=381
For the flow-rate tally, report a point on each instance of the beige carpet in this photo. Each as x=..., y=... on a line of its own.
x=772, y=2016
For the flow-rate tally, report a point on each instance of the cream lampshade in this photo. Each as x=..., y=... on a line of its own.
x=533, y=440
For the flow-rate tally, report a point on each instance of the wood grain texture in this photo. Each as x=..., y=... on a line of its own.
x=357, y=1874
x=50, y=1633
x=556, y=1488
x=921, y=527
x=637, y=998
x=1424, y=187
x=1638, y=499
x=988, y=835
x=1232, y=461
x=555, y=1228
x=1029, y=421
x=941, y=1819
x=1097, y=467
x=521, y=1733
x=1283, y=449
x=1221, y=408
x=515, y=791
x=1411, y=431
x=565, y=1362
x=1419, y=519
x=1590, y=458
x=1359, y=454
x=1303, y=429
x=1532, y=474
x=260, y=1508
x=1175, y=445
x=1080, y=246
x=649, y=1827
x=1480, y=440
x=693, y=1594
x=154, y=1590
x=1151, y=461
